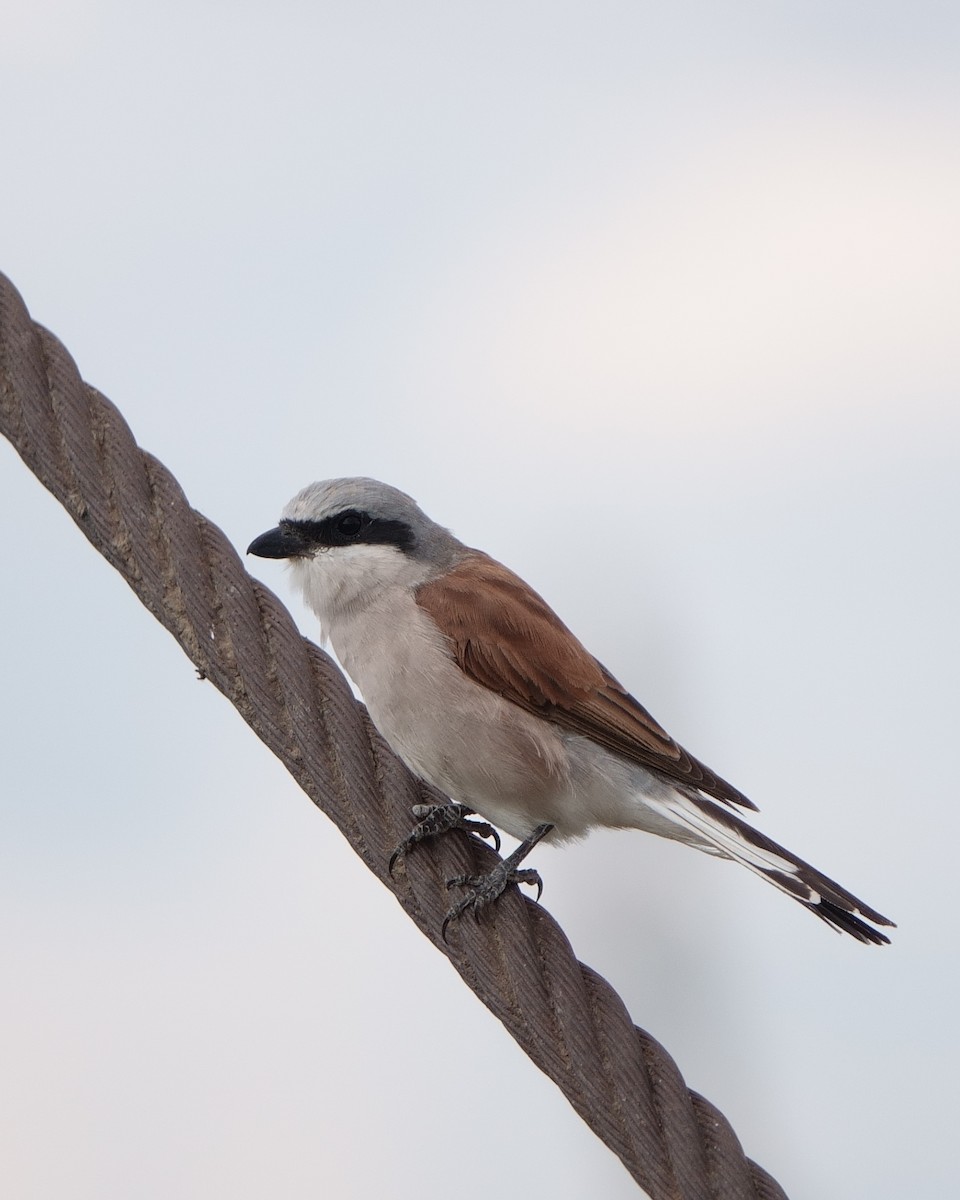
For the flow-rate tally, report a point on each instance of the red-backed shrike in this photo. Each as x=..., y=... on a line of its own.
x=483, y=692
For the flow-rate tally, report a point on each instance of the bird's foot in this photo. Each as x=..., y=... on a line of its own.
x=434, y=819
x=484, y=889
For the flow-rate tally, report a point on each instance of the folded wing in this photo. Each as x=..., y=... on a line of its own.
x=507, y=638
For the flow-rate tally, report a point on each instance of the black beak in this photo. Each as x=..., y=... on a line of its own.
x=286, y=541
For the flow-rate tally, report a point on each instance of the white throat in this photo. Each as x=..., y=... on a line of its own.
x=343, y=581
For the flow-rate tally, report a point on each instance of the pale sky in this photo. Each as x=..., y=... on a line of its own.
x=657, y=303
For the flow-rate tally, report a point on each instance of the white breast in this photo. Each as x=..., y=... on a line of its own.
x=467, y=741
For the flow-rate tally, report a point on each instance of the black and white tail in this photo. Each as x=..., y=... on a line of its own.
x=727, y=834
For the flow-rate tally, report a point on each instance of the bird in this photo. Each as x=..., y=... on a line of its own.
x=483, y=692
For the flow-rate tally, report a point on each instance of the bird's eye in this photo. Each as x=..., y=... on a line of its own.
x=350, y=524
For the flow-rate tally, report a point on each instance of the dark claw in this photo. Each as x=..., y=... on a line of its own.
x=434, y=819
x=483, y=829
x=529, y=876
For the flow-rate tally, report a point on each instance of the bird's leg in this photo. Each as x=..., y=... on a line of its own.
x=484, y=889
x=434, y=819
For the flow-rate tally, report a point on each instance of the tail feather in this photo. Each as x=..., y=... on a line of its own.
x=728, y=834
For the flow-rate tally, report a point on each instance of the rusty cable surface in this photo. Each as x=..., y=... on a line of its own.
x=573, y=1025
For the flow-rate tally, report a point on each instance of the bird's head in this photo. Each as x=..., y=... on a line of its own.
x=346, y=540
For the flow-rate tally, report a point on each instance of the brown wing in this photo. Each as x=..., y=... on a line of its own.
x=508, y=639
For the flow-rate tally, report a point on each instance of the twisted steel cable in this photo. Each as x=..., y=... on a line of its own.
x=573, y=1025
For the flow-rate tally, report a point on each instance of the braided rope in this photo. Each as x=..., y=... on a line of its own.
x=239, y=636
